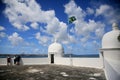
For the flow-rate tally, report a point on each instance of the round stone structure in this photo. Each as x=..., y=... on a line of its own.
x=111, y=53
x=55, y=50
x=112, y=38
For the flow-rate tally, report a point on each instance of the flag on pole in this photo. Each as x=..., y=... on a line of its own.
x=72, y=19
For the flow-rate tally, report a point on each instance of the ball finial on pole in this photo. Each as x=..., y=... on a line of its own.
x=115, y=26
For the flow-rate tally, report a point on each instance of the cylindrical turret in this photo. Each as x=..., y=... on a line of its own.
x=55, y=50
x=111, y=53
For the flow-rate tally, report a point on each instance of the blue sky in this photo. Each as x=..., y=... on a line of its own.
x=30, y=26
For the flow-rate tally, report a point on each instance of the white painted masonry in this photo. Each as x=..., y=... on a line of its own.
x=111, y=53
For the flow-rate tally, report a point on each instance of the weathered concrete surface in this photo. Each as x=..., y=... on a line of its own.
x=50, y=72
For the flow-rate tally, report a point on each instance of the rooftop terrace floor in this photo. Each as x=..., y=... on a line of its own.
x=50, y=72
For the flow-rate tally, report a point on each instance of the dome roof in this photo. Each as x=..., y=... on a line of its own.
x=112, y=38
x=55, y=48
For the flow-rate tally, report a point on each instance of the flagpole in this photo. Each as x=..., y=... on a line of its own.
x=71, y=46
x=70, y=21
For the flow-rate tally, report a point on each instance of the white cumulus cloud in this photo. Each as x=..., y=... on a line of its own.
x=2, y=28
x=20, y=13
x=90, y=10
x=110, y=14
x=73, y=10
x=63, y=35
x=2, y=34
x=84, y=28
x=103, y=10
x=15, y=39
x=35, y=25
x=42, y=39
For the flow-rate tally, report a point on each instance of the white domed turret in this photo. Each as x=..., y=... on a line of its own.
x=55, y=50
x=111, y=39
x=111, y=53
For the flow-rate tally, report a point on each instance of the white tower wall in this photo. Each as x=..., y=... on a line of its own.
x=55, y=50
x=111, y=53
